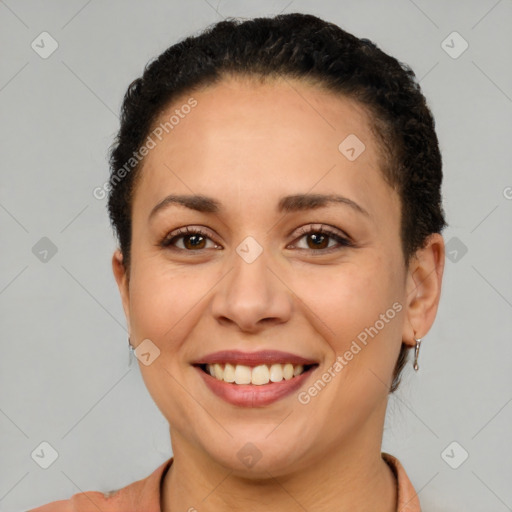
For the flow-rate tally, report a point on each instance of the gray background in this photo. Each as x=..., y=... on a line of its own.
x=64, y=368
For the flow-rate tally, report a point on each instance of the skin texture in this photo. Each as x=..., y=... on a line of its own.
x=248, y=144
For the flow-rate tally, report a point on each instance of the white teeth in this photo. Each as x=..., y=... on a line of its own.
x=219, y=372
x=276, y=373
x=229, y=373
x=260, y=375
x=242, y=374
x=257, y=375
x=288, y=371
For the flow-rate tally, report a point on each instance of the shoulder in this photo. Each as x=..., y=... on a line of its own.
x=54, y=506
x=142, y=495
x=76, y=503
x=407, y=496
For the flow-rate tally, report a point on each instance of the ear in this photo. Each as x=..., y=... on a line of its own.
x=423, y=285
x=121, y=276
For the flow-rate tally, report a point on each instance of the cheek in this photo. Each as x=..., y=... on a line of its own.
x=359, y=315
x=165, y=306
x=158, y=299
x=357, y=303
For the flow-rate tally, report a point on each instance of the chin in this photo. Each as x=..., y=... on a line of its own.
x=260, y=458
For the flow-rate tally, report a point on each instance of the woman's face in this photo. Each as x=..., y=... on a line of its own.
x=255, y=280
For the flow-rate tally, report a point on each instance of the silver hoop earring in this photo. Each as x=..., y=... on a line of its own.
x=416, y=354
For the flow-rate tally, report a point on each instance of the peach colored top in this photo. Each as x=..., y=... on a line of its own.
x=144, y=495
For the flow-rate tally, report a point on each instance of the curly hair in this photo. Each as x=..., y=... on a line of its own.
x=307, y=48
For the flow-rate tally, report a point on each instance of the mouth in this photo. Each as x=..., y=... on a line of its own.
x=254, y=379
x=254, y=386
x=257, y=375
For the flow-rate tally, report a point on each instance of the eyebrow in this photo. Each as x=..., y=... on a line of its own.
x=292, y=203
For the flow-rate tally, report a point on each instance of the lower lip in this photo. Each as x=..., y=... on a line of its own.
x=251, y=395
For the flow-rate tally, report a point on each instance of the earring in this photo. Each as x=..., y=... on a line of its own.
x=416, y=354
x=130, y=351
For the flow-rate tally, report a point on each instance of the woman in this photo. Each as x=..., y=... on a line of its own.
x=276, y=192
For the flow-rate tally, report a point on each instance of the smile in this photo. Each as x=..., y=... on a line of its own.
x=257, y=375
x=254, y=379
x=254, y=387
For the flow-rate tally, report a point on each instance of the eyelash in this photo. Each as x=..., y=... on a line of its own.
x=169, y=240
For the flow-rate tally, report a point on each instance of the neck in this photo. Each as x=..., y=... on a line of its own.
x=345, y=478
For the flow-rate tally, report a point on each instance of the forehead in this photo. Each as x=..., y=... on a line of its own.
x=243, y=137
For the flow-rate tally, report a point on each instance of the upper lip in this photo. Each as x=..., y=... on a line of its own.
x=253, y=358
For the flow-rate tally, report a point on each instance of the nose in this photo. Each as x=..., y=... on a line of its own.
x=252, y=296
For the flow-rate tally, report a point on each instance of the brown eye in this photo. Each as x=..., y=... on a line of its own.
x=192, y=239
x=318, y=239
